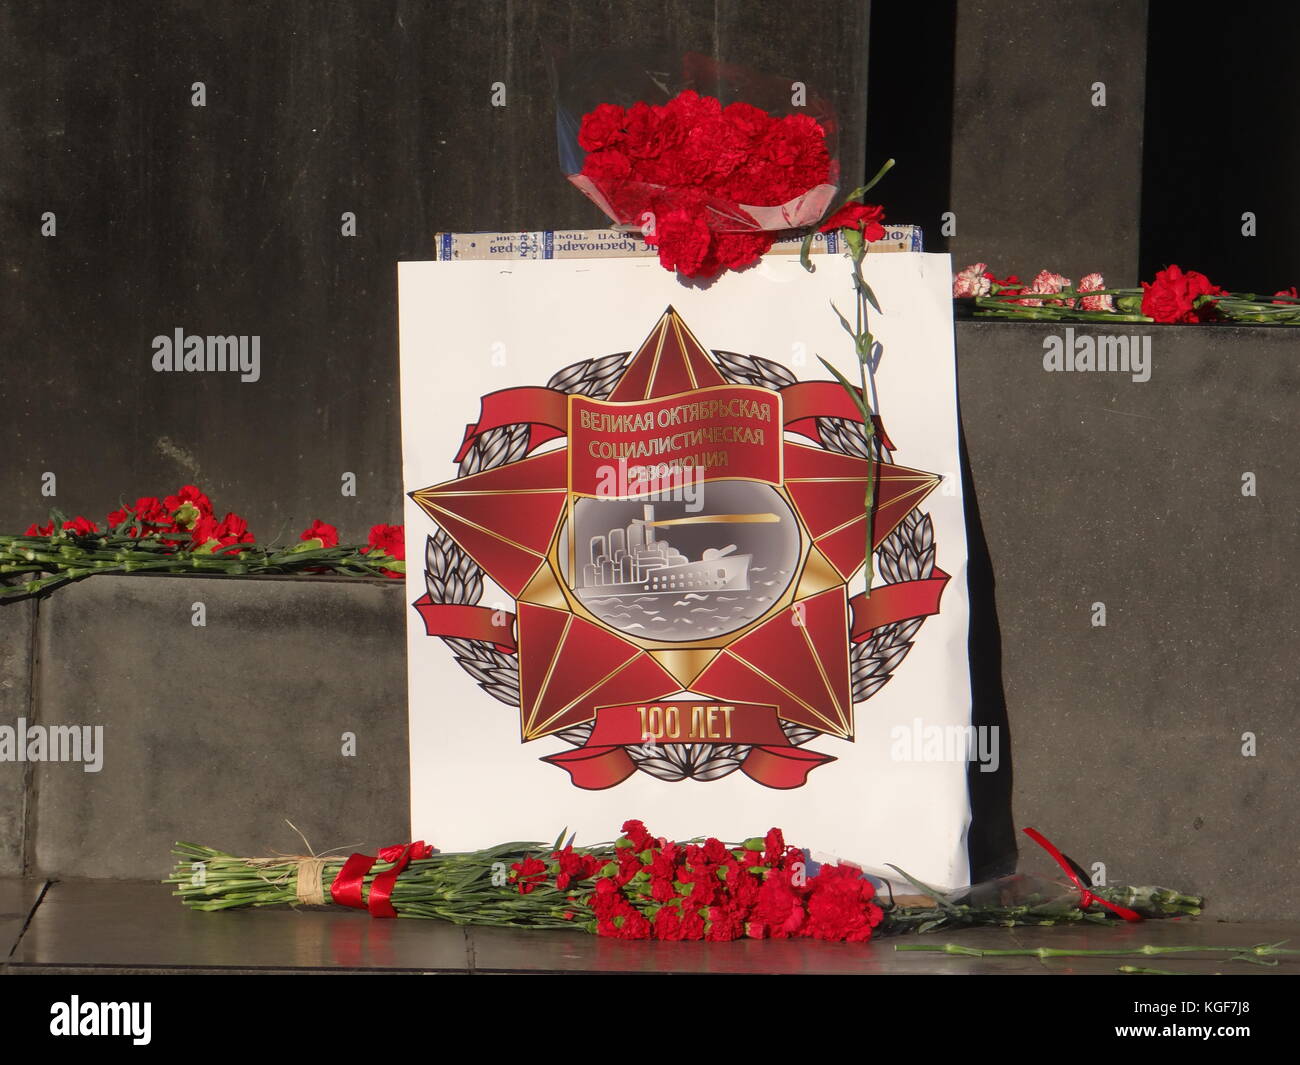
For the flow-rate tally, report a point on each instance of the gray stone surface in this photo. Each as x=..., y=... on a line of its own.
x=85, y=926
x=18, y=898
x=218, y=734
x=226, y=220
x=1042, y=179
x=125, y=925
x=17, y=628
x=1091, y=488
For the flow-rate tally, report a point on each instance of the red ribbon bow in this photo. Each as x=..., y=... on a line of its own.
x=347, y=887
x=1086, y=897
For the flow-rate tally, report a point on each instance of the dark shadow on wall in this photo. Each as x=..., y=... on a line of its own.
x=909, y=110
x=991, y=839
x=1222, y=138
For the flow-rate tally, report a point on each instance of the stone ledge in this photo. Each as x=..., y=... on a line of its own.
x=218, y=733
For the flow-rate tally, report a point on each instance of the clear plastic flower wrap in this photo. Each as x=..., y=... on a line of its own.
x=708, y=159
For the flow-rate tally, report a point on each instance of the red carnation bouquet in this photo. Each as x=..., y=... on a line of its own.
x=709, y=172
x=181, y=533
x=647, y=887
x=658, y=889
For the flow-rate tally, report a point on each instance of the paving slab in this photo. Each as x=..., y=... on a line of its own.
x=1178, y=932
x=127, y=925
x=130, y=926
x=508, y=950
x=18, y=897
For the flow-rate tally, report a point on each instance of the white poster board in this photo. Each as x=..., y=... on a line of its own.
x=692, y=658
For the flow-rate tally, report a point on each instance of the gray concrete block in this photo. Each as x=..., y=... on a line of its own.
x=1041, y=178
x=1091, y=488
x=217, y=734
x=17, y=629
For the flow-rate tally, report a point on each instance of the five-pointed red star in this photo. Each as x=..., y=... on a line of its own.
x=508, y=520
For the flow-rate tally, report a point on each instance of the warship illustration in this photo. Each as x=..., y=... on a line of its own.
x=635, y=560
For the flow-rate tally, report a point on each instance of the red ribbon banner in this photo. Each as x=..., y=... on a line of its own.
x=1086, y=897
x=347, y=889
x=887, y=604
x=458, y=622
x=546, y=412
x=896, y=602
x=603, y=761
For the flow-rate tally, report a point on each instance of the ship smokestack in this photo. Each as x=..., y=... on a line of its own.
x=648, y=513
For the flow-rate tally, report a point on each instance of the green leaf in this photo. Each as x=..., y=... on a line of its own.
x=805, y=259
x=865, y=289
x=845, y=322
x=943, y=903
x=850, y=389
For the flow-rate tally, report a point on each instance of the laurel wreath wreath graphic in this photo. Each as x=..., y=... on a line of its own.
x=907, y=554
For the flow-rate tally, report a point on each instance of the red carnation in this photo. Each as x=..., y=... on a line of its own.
x=840, y=906
x=864, y=217
x=779, y=908
x=208, y=532
x=752, y=122
x=773, y=847
x=574, y=867
x=146, y=516
x=601, y=127
x=725, y=924
x=682, y=236
x=80, y=526
x=528, y=873
x=1010, y=284
x=668, y=924
x=327, y=534
x=715, y=851
x=638, y=835
x=391, y=540
x=40, y=530
x=1173, y=295
x=692, y=924
x=187, y=506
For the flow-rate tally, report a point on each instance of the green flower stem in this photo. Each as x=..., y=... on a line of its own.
x=863, y=344
x=1045, y=315
x=64, y=557
x=1062, y=307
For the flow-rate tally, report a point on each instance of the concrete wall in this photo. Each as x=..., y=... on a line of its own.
x=1041, y=177
x=226, y=219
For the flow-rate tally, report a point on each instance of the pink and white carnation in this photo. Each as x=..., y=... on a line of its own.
x=1091, y=283
x=1047, y=284
x=973, y=281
